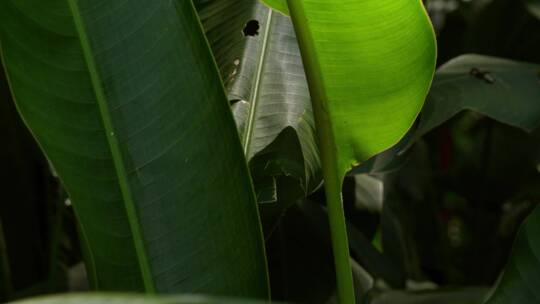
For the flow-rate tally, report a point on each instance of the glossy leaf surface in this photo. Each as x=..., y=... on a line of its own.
x=368, y=78
x=126, y=101
x=260, y=63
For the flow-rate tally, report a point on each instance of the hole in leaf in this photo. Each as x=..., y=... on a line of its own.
x=252, y=28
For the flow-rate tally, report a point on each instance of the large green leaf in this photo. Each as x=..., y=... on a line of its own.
x=126, y=101
x=505, y=90
x=130, y=299
x=521, y=277
x=369, y=65
x=265, y=79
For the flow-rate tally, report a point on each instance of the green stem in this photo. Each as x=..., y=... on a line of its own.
x=338, y=232
x=332, y=171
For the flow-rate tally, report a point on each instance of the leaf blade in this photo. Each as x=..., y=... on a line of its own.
x=115, y=149
x=264, y=77
x=336, y=51
x=505, y=90
x=166, y=102
x=361, y=114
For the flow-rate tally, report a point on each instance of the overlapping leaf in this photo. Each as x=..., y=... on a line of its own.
x=263, y=73
x=369, y=78
x=369, y=65
x=505, y=90
x=126, y=101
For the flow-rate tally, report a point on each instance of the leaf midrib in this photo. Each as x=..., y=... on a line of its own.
x=114, y=146
x=254, y=96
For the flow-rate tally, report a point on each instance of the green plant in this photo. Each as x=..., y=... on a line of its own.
x=131, y=102
x=351, y=132
x=119, y=138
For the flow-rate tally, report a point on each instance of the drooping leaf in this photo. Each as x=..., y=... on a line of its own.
x=502, y=89
x=130, y=299
x=260, y=64
x=505, y=90
x=521, y=277
x=126, y=101
x=369, y=65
